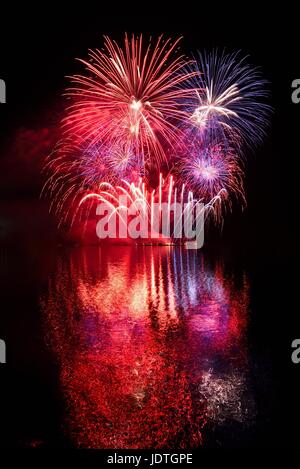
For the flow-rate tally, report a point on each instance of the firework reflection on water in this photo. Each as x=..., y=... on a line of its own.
x=150, y=344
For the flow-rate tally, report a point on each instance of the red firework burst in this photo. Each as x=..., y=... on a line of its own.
x=131, y=97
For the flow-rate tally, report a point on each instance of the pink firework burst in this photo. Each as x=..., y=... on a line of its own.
x=210, y=169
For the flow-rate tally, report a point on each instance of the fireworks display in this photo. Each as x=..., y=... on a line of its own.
x=143, y=113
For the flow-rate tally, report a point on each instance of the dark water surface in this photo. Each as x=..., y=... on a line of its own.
x=134, y=347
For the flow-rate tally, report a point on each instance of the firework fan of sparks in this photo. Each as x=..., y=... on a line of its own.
x=144, y=200
x=143, y=109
